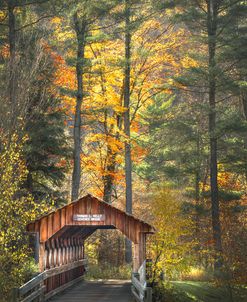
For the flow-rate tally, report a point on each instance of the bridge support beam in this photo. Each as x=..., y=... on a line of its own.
x=139, y=252
x=42, y=255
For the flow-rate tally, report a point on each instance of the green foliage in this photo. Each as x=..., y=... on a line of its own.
x=209, y=292
x=108, y=272
x=105, y=248
x=225, y=195
x=47, y=148
x=31, y=269
x=47, y=152
x=17, y=208
x=177, y=142
x=165, y=292
x=181, y=291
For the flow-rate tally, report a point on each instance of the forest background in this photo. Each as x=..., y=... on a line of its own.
x=142, y=103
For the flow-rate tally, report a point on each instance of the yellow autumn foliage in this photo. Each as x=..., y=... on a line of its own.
x=17, y=208
x=170, y=246
x=154, y=62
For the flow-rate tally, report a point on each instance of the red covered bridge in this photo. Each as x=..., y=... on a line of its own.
x=60, y=238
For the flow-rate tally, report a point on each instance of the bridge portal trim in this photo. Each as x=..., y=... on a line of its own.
x=61, y=237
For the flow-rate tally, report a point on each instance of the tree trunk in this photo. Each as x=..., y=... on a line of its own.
x=109, y=177
x=110, y=169
x=197, y=198
x=12, y=63
x=244, y=104
x=197, y=186
x=212, y=28
x=107, y=188
x=128, y=161
x=76, y=176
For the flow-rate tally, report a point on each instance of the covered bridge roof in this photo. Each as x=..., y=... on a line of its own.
x=82, y=217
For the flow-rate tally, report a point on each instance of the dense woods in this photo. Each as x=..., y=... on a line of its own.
x=141, y=103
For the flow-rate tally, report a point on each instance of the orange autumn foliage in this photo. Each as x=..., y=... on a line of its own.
x=153, y=64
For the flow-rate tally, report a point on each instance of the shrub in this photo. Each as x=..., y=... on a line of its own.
x=171, y=245
x=17, y=208
x=108, y=272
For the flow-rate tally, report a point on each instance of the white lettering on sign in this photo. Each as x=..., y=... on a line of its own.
x=89, y=217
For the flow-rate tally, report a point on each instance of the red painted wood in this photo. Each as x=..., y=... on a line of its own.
x=63, y=238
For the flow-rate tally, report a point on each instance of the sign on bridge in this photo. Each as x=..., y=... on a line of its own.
x=89, y=217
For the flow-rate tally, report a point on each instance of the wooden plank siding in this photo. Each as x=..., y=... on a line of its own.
x=62, y=237
x=53, y=223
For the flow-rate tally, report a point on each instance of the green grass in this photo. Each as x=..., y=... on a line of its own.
x=208, y=292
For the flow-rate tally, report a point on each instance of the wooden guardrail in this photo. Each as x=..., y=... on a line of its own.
x=139, y=288
x=141, y=293
x=50, y=282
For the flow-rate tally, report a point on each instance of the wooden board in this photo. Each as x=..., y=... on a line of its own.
x=89, y=207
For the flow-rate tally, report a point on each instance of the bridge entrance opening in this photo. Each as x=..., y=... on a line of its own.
x=105, y=251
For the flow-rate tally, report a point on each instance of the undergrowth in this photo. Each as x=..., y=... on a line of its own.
x=105, y=272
